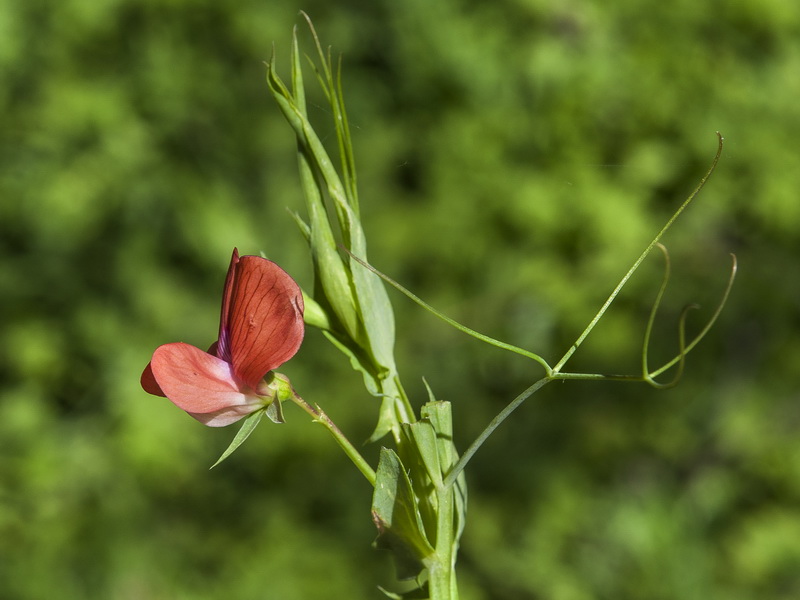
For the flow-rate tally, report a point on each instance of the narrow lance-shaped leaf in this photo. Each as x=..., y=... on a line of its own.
x=373, y=302
x=423, y=438
x=332, y=275
x=248, y=426
x=439, y=414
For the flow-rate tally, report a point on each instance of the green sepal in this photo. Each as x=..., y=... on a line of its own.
x=274, y=411
x=248, y=425
x=395, y=514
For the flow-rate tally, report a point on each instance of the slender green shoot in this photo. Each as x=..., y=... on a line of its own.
x=493, y=424
x=705, y=329
x=331, y=83
x=448, y=320
x=649, y=329
x=646, y=376
x=632, y=270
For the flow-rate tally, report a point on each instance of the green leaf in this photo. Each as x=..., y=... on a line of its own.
x=355, y=296
x=367, y=292
x=395, y=513
x=423, y=438
x=439, y=413
x=314, y=165
x=376, y=310
x=248, y=425
x=329, y=267
x=417, y=449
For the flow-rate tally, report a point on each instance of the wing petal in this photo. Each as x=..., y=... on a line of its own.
x=200, y=383
x=149, y=383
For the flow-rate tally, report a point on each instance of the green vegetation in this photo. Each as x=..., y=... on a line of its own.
x=514, y=157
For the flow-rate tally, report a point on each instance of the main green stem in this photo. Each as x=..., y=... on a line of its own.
x=441, y=571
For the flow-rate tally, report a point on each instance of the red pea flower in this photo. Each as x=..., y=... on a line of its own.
x=261, y=327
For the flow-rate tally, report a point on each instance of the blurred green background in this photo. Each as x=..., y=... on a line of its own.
x=514, y=158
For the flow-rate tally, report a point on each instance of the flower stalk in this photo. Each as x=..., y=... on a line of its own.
x=319, y=416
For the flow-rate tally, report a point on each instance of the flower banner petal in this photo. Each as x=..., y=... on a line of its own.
x=265, y=318
x=222, y=348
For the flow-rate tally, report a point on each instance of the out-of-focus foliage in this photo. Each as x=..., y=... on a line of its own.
x=514, y=157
